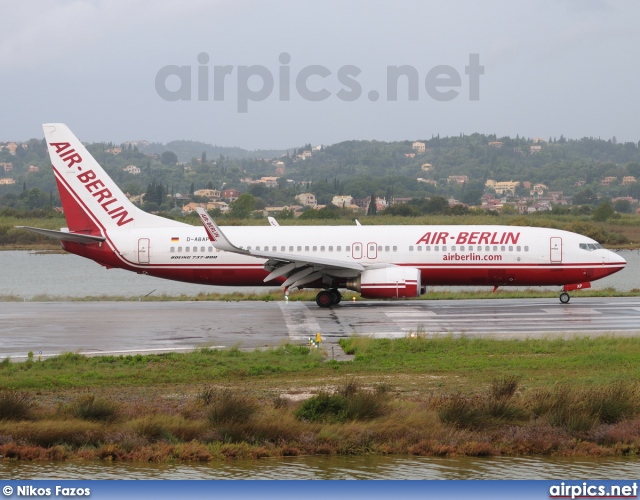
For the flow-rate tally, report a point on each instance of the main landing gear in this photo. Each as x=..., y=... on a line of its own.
x=328, y=298
x=565, y=297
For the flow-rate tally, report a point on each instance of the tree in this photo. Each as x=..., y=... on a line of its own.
x=287, y=213
x=203, y=158
x=243, y=206
x=373, y=209
x=586, y=197
x=509, y=210
x=603, y=212
x=622, y=206
x=168, y=158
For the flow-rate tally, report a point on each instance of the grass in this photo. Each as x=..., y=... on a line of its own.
x=416, y=395
x=272, y=295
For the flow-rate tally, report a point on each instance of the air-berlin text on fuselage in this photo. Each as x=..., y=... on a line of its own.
x=470, y=238
x=96, y=187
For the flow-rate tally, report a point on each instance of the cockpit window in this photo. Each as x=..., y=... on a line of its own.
x=590, y=246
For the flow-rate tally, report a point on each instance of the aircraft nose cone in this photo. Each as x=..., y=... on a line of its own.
x=614, y=258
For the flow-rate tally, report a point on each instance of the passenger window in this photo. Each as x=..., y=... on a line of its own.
x=518, y=248
x=172, y=249
x=395, y=248
x=186, y=249
x=386, y=248
x=419, y=248
x=427, y=248
x=306, y=249
x=444, y=248
x=461, y=248
x=299, y=249
x=436, y=248
x=322, y=248
x=510, y=248
x=257, y=248
x=379, y=248
x=526, y=248
x=411, y=249
x=315, y=248
x=479, y=248
x=179, y=249
x=453, y=248
x=290, y=248
x=495, y=248
x=283, y=248
x=488, y=248
x=348, y=248
x=503, y=248
x=210, y=249
x=274, y=249
x=330, y=248
x=339, y=248
x=202, y=249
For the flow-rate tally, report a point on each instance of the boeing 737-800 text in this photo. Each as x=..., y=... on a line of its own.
x=377, y=261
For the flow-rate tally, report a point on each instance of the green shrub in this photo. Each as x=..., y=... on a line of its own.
x=89, y=407
x=505, y=387
x=461, y=412
x=14, y=405
x=323, y=407
x=350, y=402
x=612, y=404
x=228, y=407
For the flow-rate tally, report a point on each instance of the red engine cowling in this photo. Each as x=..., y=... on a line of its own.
x=388, y=283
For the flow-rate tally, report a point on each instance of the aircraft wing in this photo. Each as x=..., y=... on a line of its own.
x=64, y=235
x=298, y=269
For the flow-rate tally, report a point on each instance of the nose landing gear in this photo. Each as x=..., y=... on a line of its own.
x=565, y=297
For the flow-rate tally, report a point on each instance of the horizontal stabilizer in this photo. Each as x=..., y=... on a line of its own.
x=64, y=236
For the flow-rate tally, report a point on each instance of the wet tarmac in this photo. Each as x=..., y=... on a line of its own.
x=50, y=328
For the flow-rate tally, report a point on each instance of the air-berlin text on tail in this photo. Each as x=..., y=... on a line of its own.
x=211, y=230
x=470, y=238
x=96, y=187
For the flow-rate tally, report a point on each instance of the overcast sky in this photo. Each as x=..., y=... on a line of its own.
x=549, y=68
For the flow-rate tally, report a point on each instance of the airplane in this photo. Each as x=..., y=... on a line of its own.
x=386, y=262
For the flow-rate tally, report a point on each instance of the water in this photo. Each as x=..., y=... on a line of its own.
x=27, y=274
x=332, y=467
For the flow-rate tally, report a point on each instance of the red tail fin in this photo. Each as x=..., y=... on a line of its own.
x=77, y=218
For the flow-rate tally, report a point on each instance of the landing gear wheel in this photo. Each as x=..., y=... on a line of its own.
x=564, y=297
x=337, y=297
x=324, y=299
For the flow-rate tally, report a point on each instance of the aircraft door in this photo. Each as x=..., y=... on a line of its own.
x=372, y=250
x=556, y=249
x=356, y=250
x=143, y=250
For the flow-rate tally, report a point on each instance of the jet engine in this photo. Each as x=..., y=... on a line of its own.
x=388, y=283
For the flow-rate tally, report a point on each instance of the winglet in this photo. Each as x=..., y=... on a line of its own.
x=272, y=221
x=218, y=238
